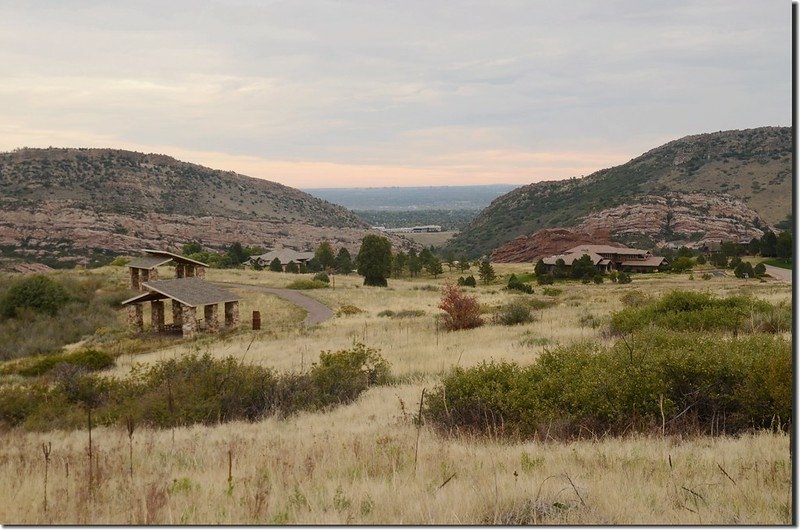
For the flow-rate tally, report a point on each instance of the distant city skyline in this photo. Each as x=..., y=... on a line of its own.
x=321, y=94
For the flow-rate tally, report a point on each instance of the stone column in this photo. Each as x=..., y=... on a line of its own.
x=153, y=275
x=135, y=278
x=189, y=270
x=157, y=315
x=189, y=319
x=179, y=270
x=231, y=314
x=211, y=314
x=177, y=313
x=136, y=317
x=199, y=271
x=145, y=275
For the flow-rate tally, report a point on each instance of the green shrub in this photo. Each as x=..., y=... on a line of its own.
x=552, y=291
x=90, y=360
x=513, y=313
x=405, y=313
x=545, y=279
x=37, y=293
x=304, y=284
x=514, y=284
x=322, y=277
x=120, y=261
x=635, y=298
x=347, y=309
x=701, y=383
x=624, y=277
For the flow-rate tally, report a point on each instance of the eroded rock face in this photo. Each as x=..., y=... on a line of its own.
x=671, y=220
x=57, y=227
x=680, y=218
x=547, y=242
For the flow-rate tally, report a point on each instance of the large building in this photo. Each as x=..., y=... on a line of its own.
x=284, y=255
x=607, y=258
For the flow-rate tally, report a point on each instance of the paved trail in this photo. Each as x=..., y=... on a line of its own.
x=779, y=274
x=317, y=311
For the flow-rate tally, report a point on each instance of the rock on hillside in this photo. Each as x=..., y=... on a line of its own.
x=78, y=204
x=753, y=166
x=548, y=242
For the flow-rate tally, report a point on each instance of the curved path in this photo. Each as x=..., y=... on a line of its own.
x=317, y=311
x=779, y=274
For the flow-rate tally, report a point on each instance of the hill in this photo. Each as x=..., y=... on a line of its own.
x=63, y=205
x=751, y=166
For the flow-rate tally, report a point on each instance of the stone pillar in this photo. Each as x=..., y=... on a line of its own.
x=179, y=270
x=231, y=314
x=135, y=278
x=211, y=314
x=153, y=275
x=177, y=313
x=145, y=275
x=200, y=272
x=189, y=319
x=136, y=317
x=189, y=270
x=157, y=315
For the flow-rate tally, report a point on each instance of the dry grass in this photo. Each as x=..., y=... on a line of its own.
x=354, y=464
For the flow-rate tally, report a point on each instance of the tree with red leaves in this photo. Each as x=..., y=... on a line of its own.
x=462, y=311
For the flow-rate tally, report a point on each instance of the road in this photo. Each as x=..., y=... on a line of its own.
x=317, y=311
x=779, y=274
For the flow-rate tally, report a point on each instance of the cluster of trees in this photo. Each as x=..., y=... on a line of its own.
x=582, y=269
x=770, y=245
x=232, y=257
x=324, y=260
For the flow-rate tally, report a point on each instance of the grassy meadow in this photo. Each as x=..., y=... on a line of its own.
x=369, y=461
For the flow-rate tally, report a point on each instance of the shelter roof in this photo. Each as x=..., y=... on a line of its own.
x=605, y=249
x=192, y=292
x=171, y=255
x=652, y=261
x=285, y=255
x=148, y=262
x=570, y=257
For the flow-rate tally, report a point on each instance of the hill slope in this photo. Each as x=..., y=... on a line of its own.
x=752, y=165
x=65, y=203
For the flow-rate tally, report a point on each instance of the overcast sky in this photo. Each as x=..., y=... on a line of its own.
x=375, y=93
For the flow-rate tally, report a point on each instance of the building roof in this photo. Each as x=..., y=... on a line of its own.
x=192, y=292
x=605, y=249
x=285, y=255
x=652, y=261
x=148, y=262
x=176, y=257
x=569, y=258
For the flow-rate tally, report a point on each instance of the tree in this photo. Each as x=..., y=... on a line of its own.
x=684, y=252
x=414, y=263
x=344, y=263
x=701, y=259
x=760, y=270
x=434, y=266
x=399, y=264
x=461, y=311
x=560, y=269
x=37, y=293
x=313, y=265
x=734, y=262
x=463, y=263
x=425, y=257
x=275, y=265
x=624, y=277
x=540, y=268
x=769, y=244
x=731, y=248
x=583, y=267
x=682, y=264
x=719, y=260
x=743, y=270
x=784, y=245
x=486, y=272
x=754, y=247
x=292, y=267
x=237, y=254
x=324, y=254
x=192, y=247
x=374, y=260
x=450, y=259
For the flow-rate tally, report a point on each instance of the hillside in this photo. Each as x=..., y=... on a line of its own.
x=61, y=204
x=752, y=166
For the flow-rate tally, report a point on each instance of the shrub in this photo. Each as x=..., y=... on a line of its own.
x=513, y=313
x=461, y=311
x=598, y=279
x=635, y=298
x=89, y=360
x=292, y=267
x=682, y=264
x=120, y=261
x=322, y=277
x=342, y=375
x=307, y=284
x=624, y=277
x=744, y=270
x=37, y=293
x=514, y=284
x=275, y=265
x=693, y=378
x=551, y=291
x=759, y=270
x=347, y=309
x=405, y=313
x=545, y=279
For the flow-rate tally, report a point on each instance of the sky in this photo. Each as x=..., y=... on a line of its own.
x=391, y=92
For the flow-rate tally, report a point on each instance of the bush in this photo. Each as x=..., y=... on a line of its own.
x=120, y=261
x=760, y=270
x=513, y=313
x=545, y=279
x=682, y=264
x=292, y=267
x=551, y=291
x=598, y=279
x=322, y=277
x=695, y=379
x=37, y=293
x=307, y=284
x=461, y=311
x=624, y=277
x=405, y=313
x=89, y=360
x=514, y=284
x=347, y=309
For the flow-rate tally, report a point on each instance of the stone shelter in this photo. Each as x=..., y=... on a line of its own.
x=284, y=255
x=145, y=268
x=607, y=258
x=186, y=295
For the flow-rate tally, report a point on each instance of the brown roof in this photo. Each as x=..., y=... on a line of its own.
x=284, y=255
x=148, y=262
x=569, y=258
x=188, y=291
x=170, y=255
x=605, y=249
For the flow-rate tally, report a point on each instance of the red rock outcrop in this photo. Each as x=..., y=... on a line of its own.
x=547, y=242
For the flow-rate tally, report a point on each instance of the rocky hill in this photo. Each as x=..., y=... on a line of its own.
x=68, y=204
x=547, y=242
x=750, y=167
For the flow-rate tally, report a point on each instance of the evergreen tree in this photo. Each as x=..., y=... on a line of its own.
x=399, y=264
x=344, y=263
x=486, y=272
x=292, y=267
x=275, y=265
x=374, y=260
x=434, y=266
x=463, y=263
x=769, y=244
x=324, y=254
x=540, y=268
x=414, y=263
x=784, y=245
